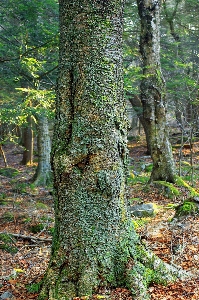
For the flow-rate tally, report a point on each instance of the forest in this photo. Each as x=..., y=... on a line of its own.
x=99, y=149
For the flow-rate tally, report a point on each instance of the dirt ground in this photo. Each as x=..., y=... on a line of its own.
x=27, y=212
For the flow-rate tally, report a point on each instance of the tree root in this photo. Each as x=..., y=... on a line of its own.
x=143, y=269
x=148, y=268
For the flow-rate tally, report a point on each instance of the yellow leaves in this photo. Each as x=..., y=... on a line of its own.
x=131, y=175
x=193, y=248
x=19, y=270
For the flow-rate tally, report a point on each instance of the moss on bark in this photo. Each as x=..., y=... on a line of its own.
x=94, y=243
x=153, y=93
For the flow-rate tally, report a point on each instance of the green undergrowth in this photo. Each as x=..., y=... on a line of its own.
x=182, y=183
x=175, y=189
x=36, y=228
x=133, y=179
x=140, y=222
x=41, y=205
x=7, y=216
x=135, y=200
x=23, y=187
x=187, y=208
x=34, y=287
x=9, y=172
x=3, y=199
x=170, y=190
x=7, y=243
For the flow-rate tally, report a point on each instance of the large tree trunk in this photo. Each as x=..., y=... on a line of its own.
x=43, y=174
x=153, y=93
x=94, y=244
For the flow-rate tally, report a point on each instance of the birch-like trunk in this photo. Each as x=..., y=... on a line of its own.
x=43, y=174
x=153, y=92
x=28, y=143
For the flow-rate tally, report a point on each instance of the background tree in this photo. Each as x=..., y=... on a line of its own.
x=94, y=244
x=180, y=57
x=28, y=61
x=153, y=93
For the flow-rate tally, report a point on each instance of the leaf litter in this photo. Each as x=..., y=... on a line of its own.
x=174, y=240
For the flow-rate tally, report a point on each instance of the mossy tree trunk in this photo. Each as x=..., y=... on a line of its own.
x=153, y=92
x=94, y=243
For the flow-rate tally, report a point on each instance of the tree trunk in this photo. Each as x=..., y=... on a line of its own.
x=28, y=143
x=153, y=93
x=94, y=243
x=43, y=172
x=4, y=156
x=137, y=105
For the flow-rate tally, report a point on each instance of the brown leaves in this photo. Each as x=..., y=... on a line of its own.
x=188, y=290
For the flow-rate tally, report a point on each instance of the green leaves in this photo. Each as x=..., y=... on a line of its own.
x=29, y=52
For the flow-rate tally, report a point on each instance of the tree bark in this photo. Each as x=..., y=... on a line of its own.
x=94, y=243
x=4, y=156
x=28, y=143
x=137, y=105
x=43, y=174
x=153, y=92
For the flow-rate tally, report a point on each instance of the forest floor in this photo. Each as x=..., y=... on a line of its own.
x=26, y=211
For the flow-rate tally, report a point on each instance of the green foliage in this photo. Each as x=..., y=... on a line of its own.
x=29, y=52
x=47, y=219
x=27, y=220
x=137, y=223
x=36, y=228
x=51, y=230
x=171, y=190
x=132, y=179
x=19, y=187
x=181, y=182
x=6, y=243
x=34, y=287
x=7, y=216
x=40, y=205
x=135, y=200
x=171, y=205
x=148, y=168
x=9, y=172
x=187, y=208
x=3, y=199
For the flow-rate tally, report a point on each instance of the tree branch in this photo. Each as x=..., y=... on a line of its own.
x=26, y=237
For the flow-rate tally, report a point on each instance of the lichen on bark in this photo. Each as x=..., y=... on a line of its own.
x=153, y=92
x=94, y=243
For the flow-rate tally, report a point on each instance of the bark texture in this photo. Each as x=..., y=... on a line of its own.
x=43, y=174
x=28, y=143
x=153, y=92
x=137, y=105
x=4, y=156
x=94, y=244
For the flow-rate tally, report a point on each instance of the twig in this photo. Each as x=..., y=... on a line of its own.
x=26, y=237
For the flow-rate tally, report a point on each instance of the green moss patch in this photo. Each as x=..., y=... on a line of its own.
x=7, y=243
x=9, y=172
x=187, y=208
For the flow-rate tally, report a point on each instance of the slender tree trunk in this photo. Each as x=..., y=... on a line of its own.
x=28, y=143
x=137, y=105
x=43, y=172
x=94, y=244
x=153, y=93
x=4, y=156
